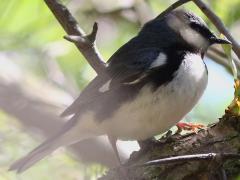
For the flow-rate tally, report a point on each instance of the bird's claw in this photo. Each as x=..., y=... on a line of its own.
x=189, y=127
x=123, y=172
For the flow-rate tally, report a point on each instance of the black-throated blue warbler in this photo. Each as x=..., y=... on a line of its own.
x=150, y=84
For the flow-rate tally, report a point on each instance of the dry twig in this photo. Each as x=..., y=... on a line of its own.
x=174, y=6
x=85, y=44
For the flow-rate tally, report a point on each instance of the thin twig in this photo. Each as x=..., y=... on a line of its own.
x=217, y=55
x=173, y=6
x=75, y=39
x=70, y=25
x=188, y=158
x=83, y=41
x=219, y=24
x=93, y=34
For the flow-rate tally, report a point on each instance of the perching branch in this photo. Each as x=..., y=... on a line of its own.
x=222, y=139
x=87, y=43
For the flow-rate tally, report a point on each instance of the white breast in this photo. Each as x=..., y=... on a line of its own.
x=152, y=113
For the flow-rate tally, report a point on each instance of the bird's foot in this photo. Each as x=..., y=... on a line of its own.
x=145, y=146
x=189, y=127
x=123, y=172
x=148, y=143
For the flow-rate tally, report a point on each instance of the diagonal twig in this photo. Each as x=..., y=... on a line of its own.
x=173, y=6
x=87, y=44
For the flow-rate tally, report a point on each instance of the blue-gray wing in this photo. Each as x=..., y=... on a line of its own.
x=116, y=86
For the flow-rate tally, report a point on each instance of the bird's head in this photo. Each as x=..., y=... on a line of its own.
x=180, y=29
x=193, y=30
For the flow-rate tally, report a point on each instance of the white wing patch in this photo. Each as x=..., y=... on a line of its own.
x=136, y=81
x=105, y=87
x=159, y=61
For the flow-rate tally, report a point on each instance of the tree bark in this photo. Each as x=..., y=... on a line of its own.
x=222, y=137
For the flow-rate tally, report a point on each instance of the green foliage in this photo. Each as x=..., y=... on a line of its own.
x=21, y=22
x=227, y=10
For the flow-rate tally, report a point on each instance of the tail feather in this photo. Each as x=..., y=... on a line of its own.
x=47, y=147
x=34, y=156
x=71, y=132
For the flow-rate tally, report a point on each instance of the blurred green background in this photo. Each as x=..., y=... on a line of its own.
x=41, y=73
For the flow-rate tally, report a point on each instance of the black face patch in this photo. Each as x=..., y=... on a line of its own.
x=198, y=25
x=201, y=29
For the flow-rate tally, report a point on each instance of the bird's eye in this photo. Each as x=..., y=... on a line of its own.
x=196, y=26
x=203, y=30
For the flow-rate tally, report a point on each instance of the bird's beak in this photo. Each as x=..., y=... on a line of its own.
x=215, y=40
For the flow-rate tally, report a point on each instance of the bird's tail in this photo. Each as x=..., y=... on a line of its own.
x=36, y=155
x=73, y=131
x=46, y=148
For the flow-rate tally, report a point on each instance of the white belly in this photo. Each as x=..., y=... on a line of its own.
x=152, y=113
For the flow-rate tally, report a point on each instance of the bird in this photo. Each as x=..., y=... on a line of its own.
x=149, y=85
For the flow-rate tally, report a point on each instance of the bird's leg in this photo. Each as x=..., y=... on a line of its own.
x=113, y=142
x=188, y=127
